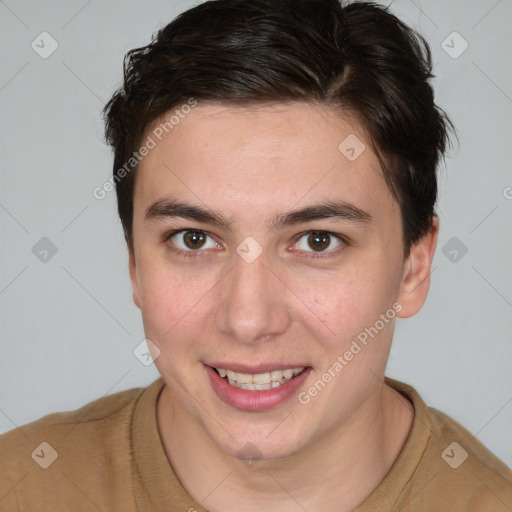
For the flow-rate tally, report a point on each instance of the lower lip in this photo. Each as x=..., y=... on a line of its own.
x=248, y=400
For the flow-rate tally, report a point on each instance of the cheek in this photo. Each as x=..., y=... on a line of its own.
x=342, y=301
x=347, y=306
x=178, y=306
x=167, y=299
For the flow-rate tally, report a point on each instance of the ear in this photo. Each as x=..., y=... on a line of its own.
x=133, y=277
x=416, y=277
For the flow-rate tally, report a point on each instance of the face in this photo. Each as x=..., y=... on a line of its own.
x=259, y=245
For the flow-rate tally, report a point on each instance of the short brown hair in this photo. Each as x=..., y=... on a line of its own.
x=358, y=59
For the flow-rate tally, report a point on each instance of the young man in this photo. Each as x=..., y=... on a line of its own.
x=275, y=170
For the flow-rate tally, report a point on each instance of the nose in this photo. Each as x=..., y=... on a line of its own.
x=253, y=303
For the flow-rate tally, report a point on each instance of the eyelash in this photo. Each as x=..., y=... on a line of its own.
x=194, y=254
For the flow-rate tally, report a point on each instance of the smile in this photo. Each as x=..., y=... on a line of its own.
x=259, y=381
x=256, y=388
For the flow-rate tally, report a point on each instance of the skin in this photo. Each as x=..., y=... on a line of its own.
x=250, y=164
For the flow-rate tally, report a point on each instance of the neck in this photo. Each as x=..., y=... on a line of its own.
x=335, y=472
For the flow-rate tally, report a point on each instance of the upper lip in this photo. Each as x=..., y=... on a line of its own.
x=260, y=368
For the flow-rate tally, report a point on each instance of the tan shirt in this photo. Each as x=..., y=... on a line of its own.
x=108, y=456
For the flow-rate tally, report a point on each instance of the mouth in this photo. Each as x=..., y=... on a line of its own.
x=256, y=388
x=262, y=381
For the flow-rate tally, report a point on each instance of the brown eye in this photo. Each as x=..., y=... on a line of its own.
x=319, y=241
x=191, y=240
x=194, y=239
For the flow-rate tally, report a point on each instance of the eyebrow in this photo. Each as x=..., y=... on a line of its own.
x=169, y=209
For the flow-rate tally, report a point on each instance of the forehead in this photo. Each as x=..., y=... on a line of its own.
x=260, y=156
x=292, y=131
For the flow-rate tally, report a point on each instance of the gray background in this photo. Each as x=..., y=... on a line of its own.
x=68, y=324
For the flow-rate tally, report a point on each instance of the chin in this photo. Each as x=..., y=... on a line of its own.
x=256, y=444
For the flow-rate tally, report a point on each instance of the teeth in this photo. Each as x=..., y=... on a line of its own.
x=288, y=374
x=243, y=378
x=259, y=381
x=261, y=378
x=255, y=387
